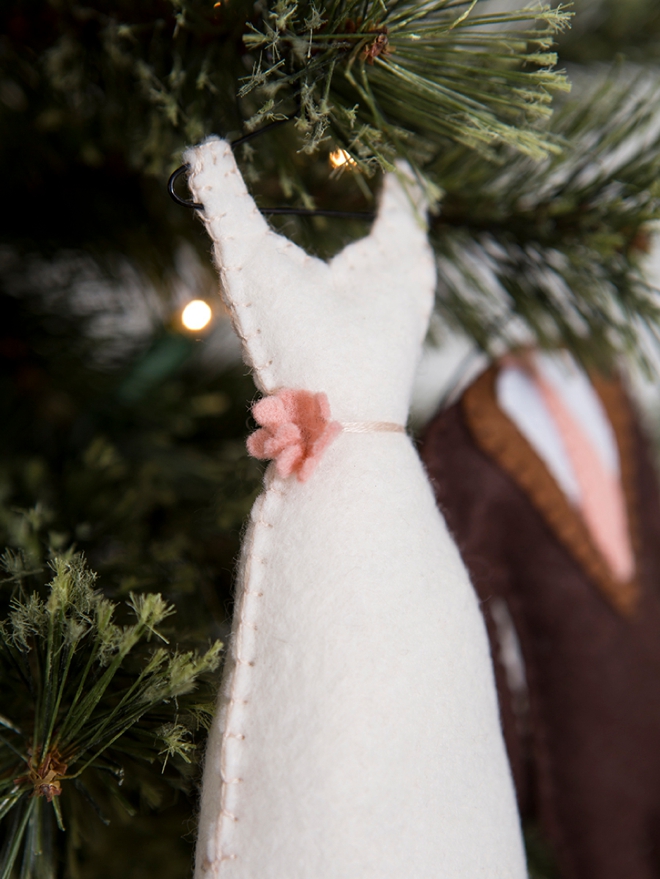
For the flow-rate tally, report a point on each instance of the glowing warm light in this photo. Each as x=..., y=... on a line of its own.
x=196, y=315
x=340, y=158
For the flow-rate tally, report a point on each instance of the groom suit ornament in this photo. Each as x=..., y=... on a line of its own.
x=570, y=592
x=357, y=733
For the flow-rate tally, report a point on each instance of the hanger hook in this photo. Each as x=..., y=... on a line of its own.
x=183, y=169
x=184, y=202
x=298, y=212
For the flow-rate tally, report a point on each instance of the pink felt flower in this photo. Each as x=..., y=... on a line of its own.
x=295, y=431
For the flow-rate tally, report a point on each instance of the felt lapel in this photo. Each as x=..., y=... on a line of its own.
x=498, y=437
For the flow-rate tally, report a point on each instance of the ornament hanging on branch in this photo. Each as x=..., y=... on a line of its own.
x=548, y=487
x=357, y=732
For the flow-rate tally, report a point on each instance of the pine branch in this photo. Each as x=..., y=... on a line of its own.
x=553, y=251
x=379, y=76
x=383, y=77
x=94, y=694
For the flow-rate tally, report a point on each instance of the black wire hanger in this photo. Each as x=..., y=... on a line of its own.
x=299, y=212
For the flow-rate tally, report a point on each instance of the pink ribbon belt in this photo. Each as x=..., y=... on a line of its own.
x=296, y=428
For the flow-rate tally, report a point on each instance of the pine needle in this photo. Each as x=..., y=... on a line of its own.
x=430, y=70
x=94, y=690
x=553, y=252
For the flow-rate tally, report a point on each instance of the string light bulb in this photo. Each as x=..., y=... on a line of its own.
x=341, y=158
x=196, y=315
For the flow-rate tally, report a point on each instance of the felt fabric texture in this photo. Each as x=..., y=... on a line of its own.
x=582, y=716
x=595, y=487
x=296, y=430
x=520, y=400
x=357, y=735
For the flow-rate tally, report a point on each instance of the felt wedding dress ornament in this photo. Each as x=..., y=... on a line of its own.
x=357, y=733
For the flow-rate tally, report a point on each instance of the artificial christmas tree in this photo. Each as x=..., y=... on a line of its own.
x=125, y=439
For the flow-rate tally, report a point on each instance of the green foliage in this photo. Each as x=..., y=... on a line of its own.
x=97, y=101
x=81, y=693
x=155, y=493
x=553, y=251
x=169, y=72
x=606, y=28
x=121, y=81
x=137, y=459
x=94, y=100
x=378, y=76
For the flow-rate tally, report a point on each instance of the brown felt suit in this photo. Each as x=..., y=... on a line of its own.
x=585, y=752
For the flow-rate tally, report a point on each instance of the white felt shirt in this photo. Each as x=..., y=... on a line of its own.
x=522, y=401
x=358, y=734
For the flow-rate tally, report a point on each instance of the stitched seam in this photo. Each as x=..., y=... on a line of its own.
x=246, y=614
x=256, y=357
x=247, y=608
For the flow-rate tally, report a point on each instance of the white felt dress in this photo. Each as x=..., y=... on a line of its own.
x=357, y=735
